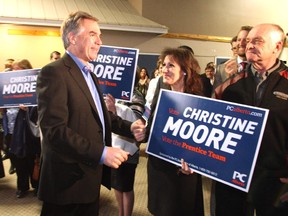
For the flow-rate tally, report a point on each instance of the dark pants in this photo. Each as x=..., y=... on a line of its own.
x=230, y=201
x=24, y=170
x=2, y=173
x=87, y=209
x=6, y=149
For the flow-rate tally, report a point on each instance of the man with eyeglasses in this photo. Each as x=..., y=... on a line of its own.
x=234, y=46
x=232, y=66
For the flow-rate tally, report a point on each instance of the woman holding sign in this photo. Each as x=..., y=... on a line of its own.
x=174, y=190
x=22, y=145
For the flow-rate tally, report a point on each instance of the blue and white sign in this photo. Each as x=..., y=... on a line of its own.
x=18, y=87
x=217, y=139
x=115, y=68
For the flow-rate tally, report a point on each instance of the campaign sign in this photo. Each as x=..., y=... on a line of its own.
x=217, y=139
x=115, y=68
x=18, y=87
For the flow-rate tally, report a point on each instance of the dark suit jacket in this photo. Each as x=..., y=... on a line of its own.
x=72, y=142
x=220, y=75
x=207, y=86
x=272, y=162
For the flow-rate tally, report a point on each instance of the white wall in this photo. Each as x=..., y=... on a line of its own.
x=215, y=17
x=36, y=49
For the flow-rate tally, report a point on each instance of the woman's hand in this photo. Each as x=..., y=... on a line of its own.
x=138, y=129
x=110, y=103
x=185, y=168
x=23, y=107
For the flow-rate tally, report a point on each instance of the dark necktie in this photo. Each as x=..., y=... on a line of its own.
x=260, y=86
x=258, y=77
x=241, y=66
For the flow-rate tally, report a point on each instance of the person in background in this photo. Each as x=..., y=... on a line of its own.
x=23, y=64
x=208, y=79
x=55, y=55
x=195, y=61
x=263, y=83
x=143, y=83
x=153, y=84
x=187, y=48
x=155, y=73
x=76, y=126
x=123, y=177
x=6, y=155
x=234, y=46
x=2, y=172
x=171, y=192
x=227, y=69
x=23, y=146
x=232, y=66
x=8, y=64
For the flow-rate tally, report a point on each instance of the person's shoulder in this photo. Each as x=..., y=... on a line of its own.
x=154, y=80
x=56, y=68
x=50, y=66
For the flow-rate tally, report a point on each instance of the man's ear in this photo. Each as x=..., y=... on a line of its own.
x=279, y=46
x=72, y=38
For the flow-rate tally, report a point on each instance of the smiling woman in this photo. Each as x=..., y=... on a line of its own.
x=166, y=194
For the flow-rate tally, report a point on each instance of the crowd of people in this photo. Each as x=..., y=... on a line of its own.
x=19, y=143
x=88, y=140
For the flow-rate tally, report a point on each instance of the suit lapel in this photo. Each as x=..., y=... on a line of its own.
x=77, y=75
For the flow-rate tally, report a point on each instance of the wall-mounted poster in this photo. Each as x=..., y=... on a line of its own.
x=149, y=61
x=221, y=60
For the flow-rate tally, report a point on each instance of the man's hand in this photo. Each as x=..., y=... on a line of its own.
x=138, y=129
x=231, y=67
x=115, y=157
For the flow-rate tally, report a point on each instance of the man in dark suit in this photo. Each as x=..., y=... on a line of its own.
x=232, y=66
x=76, y=126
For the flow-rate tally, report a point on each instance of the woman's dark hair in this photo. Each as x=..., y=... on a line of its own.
x=188, y=64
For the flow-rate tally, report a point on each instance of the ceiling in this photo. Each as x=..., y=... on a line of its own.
x=112, y=14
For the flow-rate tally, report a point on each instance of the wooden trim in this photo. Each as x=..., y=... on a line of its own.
x=201, y=37
x=197, y=37
x=52, y=33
